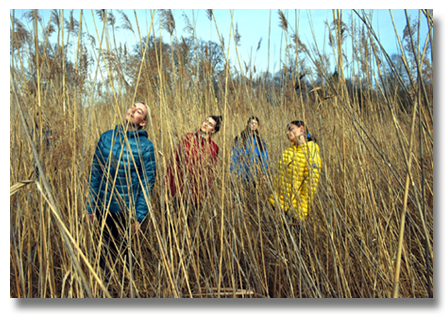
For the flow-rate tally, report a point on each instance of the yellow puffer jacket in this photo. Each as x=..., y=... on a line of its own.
x=298, y=176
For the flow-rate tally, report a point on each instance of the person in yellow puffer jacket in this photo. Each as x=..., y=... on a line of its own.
x=296, y=183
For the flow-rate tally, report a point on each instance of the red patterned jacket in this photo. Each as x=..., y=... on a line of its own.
x=192, y=176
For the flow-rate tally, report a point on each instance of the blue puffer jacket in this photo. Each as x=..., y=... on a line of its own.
x=133, y=170
x=248, y=159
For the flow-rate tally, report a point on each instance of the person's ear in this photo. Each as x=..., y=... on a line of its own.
x=143, y=123
x=212, y=132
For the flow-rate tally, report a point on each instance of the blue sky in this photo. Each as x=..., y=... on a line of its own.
x=253, y=25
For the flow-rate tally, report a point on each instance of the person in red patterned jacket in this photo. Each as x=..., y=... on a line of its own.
x=192, y=176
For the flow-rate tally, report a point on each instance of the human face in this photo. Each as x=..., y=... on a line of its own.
x=208, y=126
x=253, y=125
x=293, y=132
x=137, y=114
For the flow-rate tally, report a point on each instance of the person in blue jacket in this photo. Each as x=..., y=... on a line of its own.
x=122, y=178
x=249, y=159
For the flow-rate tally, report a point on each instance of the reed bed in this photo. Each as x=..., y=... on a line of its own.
x=370, y=231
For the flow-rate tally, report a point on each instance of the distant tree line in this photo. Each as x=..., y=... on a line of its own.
x=191, y=62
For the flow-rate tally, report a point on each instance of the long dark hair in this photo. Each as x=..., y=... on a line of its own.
x=300, y=123
x=244, y=135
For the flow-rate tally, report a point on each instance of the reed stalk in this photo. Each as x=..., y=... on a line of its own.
x=370, y=230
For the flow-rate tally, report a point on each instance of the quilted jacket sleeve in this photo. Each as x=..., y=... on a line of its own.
x=215, y=153
x=95, y=178
x=314, y=168
x=235, y=159
x=148, y=178
x=212, y=166
x=265, y=158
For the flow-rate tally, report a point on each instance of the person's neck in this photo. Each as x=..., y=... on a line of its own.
x=302, y=140
x=132, y=128
x=204, y=135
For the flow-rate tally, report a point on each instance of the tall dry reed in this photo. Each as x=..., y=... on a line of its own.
x=370, y=231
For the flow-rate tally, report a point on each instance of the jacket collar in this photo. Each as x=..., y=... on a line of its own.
x=308, y=144
x=200, y=137
x=141, y=132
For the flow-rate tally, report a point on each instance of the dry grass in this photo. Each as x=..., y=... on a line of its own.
x=235, y=244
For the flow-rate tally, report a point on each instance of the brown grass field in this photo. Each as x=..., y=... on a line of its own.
x=370, y=231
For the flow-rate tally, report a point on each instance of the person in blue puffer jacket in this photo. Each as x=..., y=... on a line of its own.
x=249, y=159
x=122, y=178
